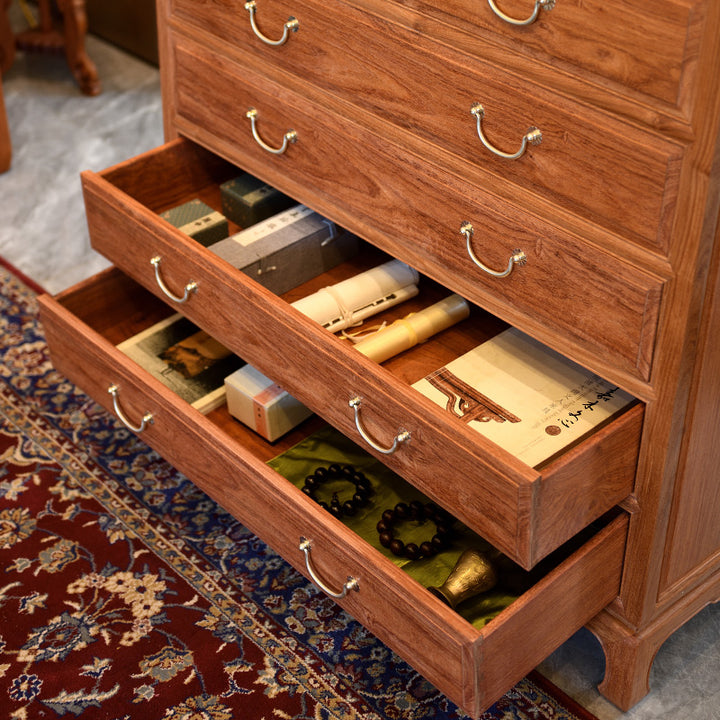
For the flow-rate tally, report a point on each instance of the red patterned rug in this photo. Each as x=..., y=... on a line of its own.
x=125, y=592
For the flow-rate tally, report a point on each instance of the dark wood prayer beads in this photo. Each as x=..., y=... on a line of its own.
x=349, y=507
x=419, y=512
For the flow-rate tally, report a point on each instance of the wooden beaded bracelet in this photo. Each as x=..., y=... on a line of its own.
x=419, y=512
x=339, y=509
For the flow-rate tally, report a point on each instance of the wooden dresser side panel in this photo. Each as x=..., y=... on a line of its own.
x=693, y=544
x=577, y=591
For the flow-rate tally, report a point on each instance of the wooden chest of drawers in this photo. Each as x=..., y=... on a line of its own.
x=600, y=239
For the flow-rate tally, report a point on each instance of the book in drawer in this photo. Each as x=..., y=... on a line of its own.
x=472, y=665
x=526, y=512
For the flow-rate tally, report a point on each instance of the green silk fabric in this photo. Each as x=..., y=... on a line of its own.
x=328, y=446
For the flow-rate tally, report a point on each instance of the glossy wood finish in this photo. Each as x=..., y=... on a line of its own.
x=82, y=326
x=681, y=106
x=643, y=48
x=619, y=221
x=432, y=98
x=521, y=510
x=416, y=216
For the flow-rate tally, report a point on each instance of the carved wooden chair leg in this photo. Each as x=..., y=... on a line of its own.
x=75, y=29
x=5, y=145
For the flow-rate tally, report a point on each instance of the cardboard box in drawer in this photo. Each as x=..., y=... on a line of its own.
x=262, y=405
x=287, y=249
x=523, y=396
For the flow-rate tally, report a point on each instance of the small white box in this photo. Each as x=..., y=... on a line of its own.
x=259, y=403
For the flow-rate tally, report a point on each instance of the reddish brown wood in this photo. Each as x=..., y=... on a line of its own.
x=651, y=52
x=7, y=54
x=562, y=270
x=502, y=499
x=431, y=99
x=617, y=212
x=70, y=39
x=397, y=609
x=5, y=142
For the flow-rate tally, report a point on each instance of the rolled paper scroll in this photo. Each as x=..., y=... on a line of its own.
x=413, y=329
x=349, y=302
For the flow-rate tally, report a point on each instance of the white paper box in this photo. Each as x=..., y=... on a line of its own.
x=262, y=405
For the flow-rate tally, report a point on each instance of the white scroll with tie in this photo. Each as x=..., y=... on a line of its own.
x=268, y=409
x=351, y=301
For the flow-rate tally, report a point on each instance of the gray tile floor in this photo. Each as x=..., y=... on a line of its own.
x=57, y=133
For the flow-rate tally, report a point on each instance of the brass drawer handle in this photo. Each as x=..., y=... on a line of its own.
x=350, y=584
x=291, y=25
x=517, y=258
x=401, y=437
x=189, y=289
x=532, y=136
x=289, y=137
x=539, y=5
x=147, y=418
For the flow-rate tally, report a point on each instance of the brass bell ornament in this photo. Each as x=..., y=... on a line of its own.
x=474, y=573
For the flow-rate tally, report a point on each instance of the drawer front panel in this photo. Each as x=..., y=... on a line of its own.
x=646, y=48
x=587, y=163
x=491, y=492
x=388, y=602
x=416, y=214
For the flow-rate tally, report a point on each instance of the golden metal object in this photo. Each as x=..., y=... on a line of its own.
x=539, y=5
x=533, y=136
x=518, y=257
x=291, y=25
x=474, y=573
x=401, y=437
x=289, y=137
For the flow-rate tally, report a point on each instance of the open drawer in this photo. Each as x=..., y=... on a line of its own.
x=415, y=216
x=523, y=511
x=472, y=665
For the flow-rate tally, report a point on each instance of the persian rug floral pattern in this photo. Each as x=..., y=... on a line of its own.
x=125, y=592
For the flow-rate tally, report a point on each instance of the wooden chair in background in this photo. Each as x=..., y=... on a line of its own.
x=70, y=38
x=7, y=54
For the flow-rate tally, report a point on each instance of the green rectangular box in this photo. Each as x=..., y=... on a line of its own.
x=199, y=221
x=247, y=200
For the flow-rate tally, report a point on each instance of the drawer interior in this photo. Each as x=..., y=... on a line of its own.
x=526, y=509
x=198, y=173
x=124, y=309
x=233, y=464
x=115, y=307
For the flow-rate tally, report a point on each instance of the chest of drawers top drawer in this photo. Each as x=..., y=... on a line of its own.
x=470, y=114
x=645, y=50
